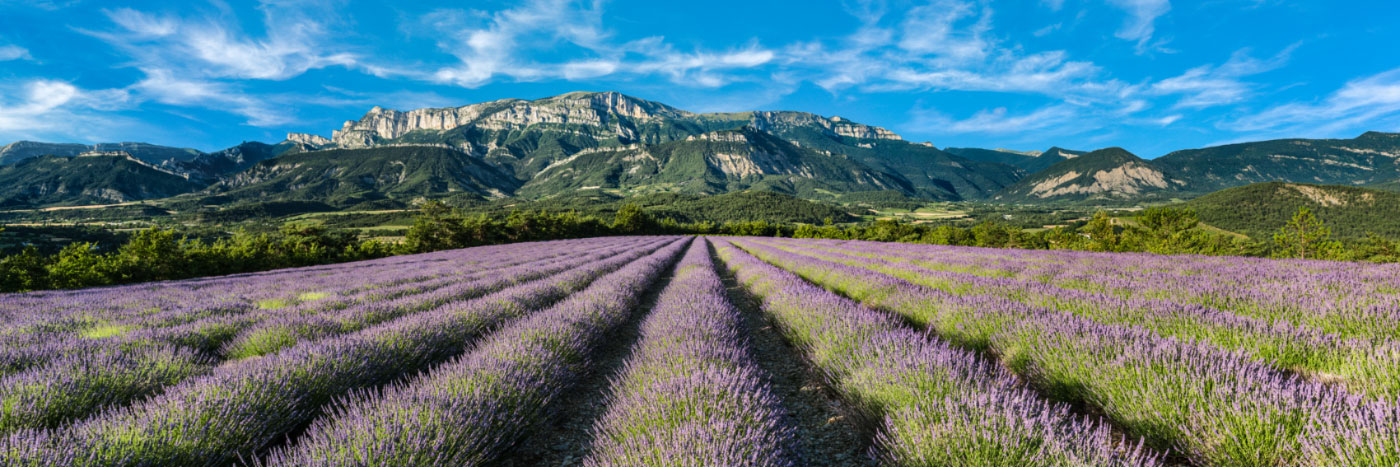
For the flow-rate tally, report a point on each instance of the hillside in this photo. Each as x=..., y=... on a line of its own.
x=1258, y=210
x=94, y=178
x=150, y=153
x=1370, y=158
x=682, y=207
x=1107, y=175
x=344, y=177
x=527, y=138
x=711, y=163
x=1029, y=162
x=609, y=142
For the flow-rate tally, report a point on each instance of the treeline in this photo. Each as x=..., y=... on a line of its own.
x=163, y=254
x=1161, y=230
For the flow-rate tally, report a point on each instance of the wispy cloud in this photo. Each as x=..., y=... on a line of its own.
x=45, y=107
x=490, y=46
x=13, y=52
x=945, y=46
x=998, y=121
x=211, y=46
x=1208, y=86
x=166, y=87
x=1142, y=18
x=1372, y=102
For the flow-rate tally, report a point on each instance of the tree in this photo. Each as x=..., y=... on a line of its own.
x=79, y=265
x=1103, y=235
x=1167, y=230
x=24, y=271
x=631, y=220
x=438, y=227
x=153, y=254
x=1305, y=237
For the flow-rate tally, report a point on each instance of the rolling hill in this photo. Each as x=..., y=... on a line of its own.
x=1110, y=175
x=91, y=178
x=1370, y=158
x=711, y=163
x=1029, y=162
x=150, y=153
x=1258, y=210
x=524, y=138
x=345, y=177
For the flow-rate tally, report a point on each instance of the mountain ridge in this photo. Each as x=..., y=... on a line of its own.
x=611, y=141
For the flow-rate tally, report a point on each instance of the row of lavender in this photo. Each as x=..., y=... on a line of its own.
x=1348, y=299
x=206, y=328
x=93, y=309
x=936, y=405
x=367, y=374
x=72, y=378
x=1213, y=406
x=692, y=392
x=472, y=410
x=1369, y=367
x=242, y=407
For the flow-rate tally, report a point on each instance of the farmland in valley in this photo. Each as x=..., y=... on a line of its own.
x=675, y=350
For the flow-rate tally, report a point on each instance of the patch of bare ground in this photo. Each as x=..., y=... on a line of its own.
x=829, y=433
x=569, y=438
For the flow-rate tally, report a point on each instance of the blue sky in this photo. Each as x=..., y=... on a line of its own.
x=1147, y=75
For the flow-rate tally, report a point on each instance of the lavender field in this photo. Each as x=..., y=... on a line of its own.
x=715, y=351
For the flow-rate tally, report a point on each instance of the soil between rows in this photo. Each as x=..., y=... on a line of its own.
x=568, y=439
x=1078, y=406
x=827, y=431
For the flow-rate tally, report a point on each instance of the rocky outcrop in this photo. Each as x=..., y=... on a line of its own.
x=613, y=113
x=776, y=122
x=21, y=150
x=308, y=139
x=1117, y=182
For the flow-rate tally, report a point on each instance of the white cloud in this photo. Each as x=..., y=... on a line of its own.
x=942, y=29
x=1168, y=120
x=165, y=87
x=1142, y=17
x=297, y=40
x=13, y=52
x=491, y=45
x=501, y=45
x=1359, y=105
x=1208, y=86
x=998, y=121
x=1045, y=31
x=41, y=108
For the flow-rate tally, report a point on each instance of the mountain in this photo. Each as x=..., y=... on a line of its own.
x=1370, y=158
x=1105, y=175
x=523, y=138
x=212, y=167
x=87, y=178
x=1260, y=209
x=150, y=153
x=711, y=163
x=345, y=177
x=1000, y=156
x=607, y=142
x=1048, y=158
x=1029, y=162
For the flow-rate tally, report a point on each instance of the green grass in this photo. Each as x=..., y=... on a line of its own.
x=105, y=331
x=273, y=303
x=312, y=296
